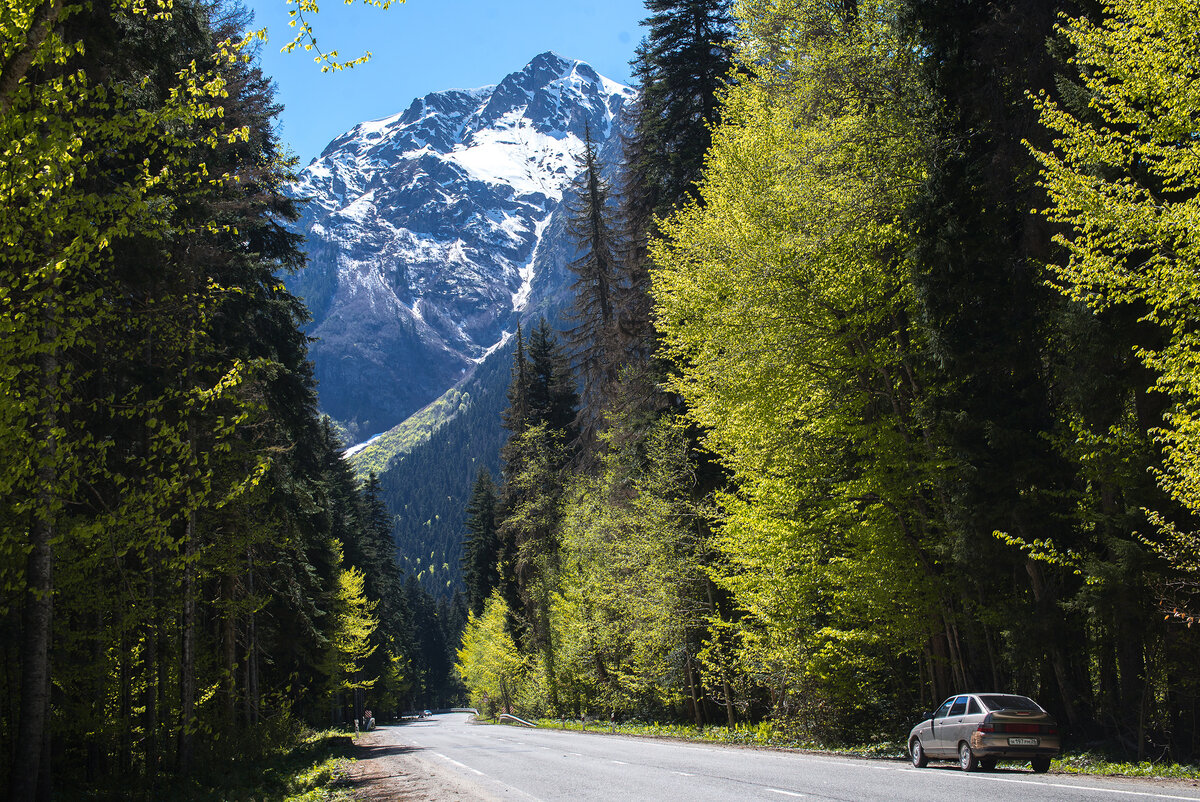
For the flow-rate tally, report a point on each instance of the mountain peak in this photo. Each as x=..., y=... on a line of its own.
x=548, y=66
x=425, y=228
x=555, y=95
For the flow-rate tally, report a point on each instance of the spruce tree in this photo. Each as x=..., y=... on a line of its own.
x=592, y=340
x=680, y=67
x=534, y=461
x=551, y=387
x=983, y=308
x=480, y=545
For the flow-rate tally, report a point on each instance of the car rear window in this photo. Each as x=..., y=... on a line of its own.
x=1009, y=702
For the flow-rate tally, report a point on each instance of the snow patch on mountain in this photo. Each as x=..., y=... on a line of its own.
x=520, y=298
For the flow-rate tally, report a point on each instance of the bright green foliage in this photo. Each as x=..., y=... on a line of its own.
x=495, y=673
x=784, y=300
x=632, y=579
x=306, y=39
x=350, y=640
x=1124, y=177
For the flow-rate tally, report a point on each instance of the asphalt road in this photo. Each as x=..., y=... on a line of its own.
x=503, y=762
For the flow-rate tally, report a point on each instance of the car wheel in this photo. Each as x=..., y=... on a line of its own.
x=919, y=758
x=966, y=758
x=1041, y=765
x=987, y=765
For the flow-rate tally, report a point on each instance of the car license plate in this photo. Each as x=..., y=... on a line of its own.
x=1022, y=741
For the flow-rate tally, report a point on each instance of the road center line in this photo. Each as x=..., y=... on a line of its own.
x=619, y=762
x=683, y=774
x=781, y=791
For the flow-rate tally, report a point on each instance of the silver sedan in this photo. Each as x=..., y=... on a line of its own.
x=977, y=729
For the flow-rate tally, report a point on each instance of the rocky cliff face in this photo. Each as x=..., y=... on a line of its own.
x=428, y=233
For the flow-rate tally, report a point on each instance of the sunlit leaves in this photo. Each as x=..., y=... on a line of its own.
x=306, y=39
x=785, y=300
x=1124, y=178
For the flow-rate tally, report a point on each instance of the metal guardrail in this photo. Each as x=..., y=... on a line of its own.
x=511, y=717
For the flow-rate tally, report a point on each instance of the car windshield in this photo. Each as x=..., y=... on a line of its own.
x=1009, y=702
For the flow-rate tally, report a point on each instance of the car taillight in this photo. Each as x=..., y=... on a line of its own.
x=1049, y=729
x=986, y=728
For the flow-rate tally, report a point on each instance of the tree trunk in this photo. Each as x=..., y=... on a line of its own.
x=252, y=693
x=1058, y=658
x=229, y=652
x=150, y=693
x=125, y=704
x=187, y=657
x=37, y=615
x=692, y=689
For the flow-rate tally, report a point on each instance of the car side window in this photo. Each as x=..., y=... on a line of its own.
x=944, y=710
x=959, y=707
x=973, y=707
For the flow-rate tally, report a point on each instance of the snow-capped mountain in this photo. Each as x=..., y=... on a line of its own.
x=424, y=231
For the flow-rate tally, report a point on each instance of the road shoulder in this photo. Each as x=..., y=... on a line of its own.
x=387, y=769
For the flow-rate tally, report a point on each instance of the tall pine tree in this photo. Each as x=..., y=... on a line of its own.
x=481, y=546
x=593, y=339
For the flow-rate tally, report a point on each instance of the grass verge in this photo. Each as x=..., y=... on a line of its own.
x=307, y=767
x=307, y=771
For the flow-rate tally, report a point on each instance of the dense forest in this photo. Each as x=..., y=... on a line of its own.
x=190, y=569
x=879, y=384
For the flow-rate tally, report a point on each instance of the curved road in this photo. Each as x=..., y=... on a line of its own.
x=501, y=762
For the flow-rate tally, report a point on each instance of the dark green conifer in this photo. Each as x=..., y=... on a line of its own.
x=593, y=339
x=481, y=545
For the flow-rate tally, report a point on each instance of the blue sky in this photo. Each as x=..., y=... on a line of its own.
x=427, y=45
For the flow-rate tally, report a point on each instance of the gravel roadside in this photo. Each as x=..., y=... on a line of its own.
x=388, y=770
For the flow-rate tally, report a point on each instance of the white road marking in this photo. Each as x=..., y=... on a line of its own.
x=1094, y=788
x=683, y=774
x=460, y=765
x=619, y=762
x=781, y=791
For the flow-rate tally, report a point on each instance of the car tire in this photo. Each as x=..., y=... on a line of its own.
x=1041, y=765
x=919, y=759
x=966, y=758
x=987, y=765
